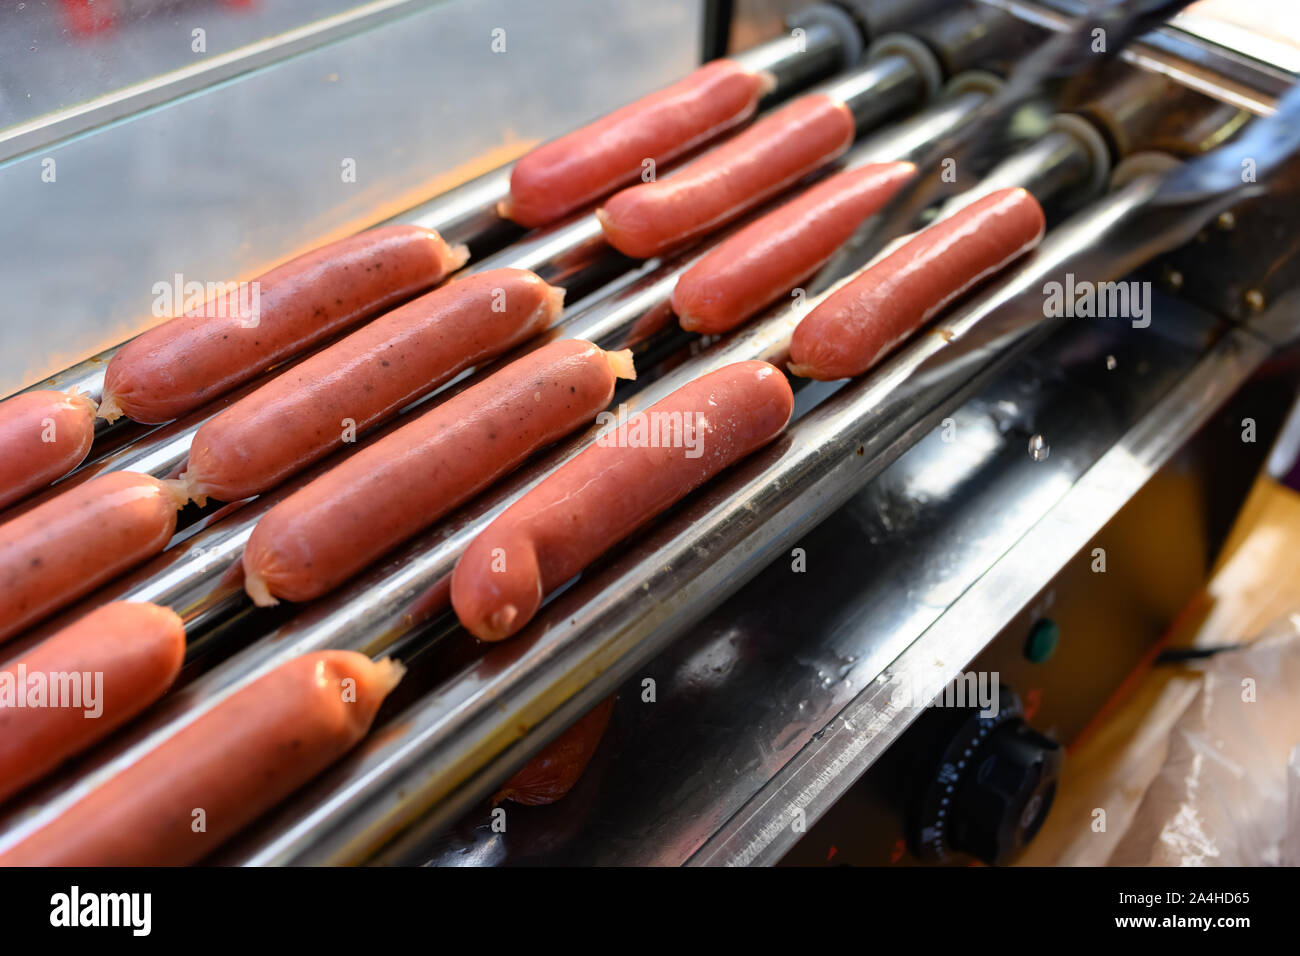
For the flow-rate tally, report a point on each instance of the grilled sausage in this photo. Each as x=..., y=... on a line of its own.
x=776, y=252
x=67, y=546
x=43, y=436
x=120, y=658
x=186, y=362
x=180, y=801
x=623, y=480
x=554, y=771
x=324, y=533
x=861, y=321
x=774, y=153
x=564, y=174
x=301, y=415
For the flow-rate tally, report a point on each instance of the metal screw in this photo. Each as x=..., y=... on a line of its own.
x=1226, y=221
x=1255, y=300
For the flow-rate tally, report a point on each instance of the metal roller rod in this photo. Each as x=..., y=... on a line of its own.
x=572, y=254
x=796, y=60
x=1069, y=162
x=460, y=741
x=390, y=599
x=881, y=88
x=468, y=213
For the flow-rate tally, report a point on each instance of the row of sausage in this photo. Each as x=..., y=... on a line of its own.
x=384, y=493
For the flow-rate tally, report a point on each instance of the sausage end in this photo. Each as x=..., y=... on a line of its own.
x=83, y=401
x=457, y=256
x=190, y=488
x=811, y=371
x=109, y=409
x=554, y=302
x=621, y=364
x=498, y=625
x=180, y=492
x=691, y=323
x=256, y=587
x=388, y=674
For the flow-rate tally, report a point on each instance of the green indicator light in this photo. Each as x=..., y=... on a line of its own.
x=1043, y=638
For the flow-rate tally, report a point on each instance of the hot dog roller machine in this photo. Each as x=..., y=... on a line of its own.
x=1017, y=500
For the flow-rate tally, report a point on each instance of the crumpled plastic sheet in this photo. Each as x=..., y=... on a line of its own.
x=1221, y=798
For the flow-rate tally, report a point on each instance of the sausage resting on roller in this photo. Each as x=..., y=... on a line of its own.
x=862, y=320
x=626, y=477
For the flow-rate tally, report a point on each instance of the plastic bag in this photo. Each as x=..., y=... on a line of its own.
x=1221, y=798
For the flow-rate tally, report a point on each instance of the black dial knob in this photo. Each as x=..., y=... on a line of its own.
x=986, y=787
x=1004, y=798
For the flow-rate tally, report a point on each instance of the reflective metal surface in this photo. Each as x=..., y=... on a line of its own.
x=760, y=679
x=877, y=90
x=761, y=831
x=468, y=213
x=795, y=60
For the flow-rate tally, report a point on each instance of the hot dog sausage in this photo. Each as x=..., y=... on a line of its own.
x=114, y=662
x=299, y=416
x=186, y=362
x=324, y=533
x=553, y=772
x=180, y=801
x=69, y=545
x=43, y=436
x=569, y=172
x=858, y=323
x=776, y=252
x=611, y=488
x=775, y=152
